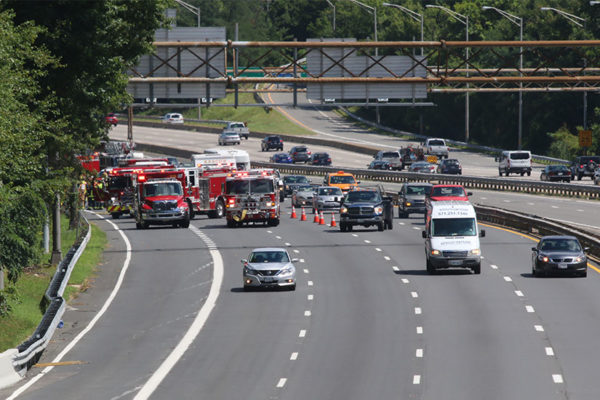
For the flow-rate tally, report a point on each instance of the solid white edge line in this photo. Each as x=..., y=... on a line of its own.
x=193, y=331
x=281, y=382
x=549, y=351
x=529, y=309
x=91, y=324
x=539, y=328
x=557, y=378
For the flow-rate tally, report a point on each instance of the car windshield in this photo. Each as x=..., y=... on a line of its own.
x=330, y=191
x=269, y=257
x=450, y=162
x=118, y=183
x=417, y=189
x=560, y=245
x=453, y=227
x=390, y=154
x=238, y=125
x=363, y=196
x=163, y=189
x=261, y=186
x=557, y=168
x=300, y=149
x=237, y=187
x=273, y=139
x=448, y=191
x=342, y=179
x=420, y=164
x=231, y=134
x=296, y=179
x=519, y=156
x=436, y=143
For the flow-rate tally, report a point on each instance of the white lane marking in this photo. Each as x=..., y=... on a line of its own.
x=418, y=310
x=310, y=296
x=367, y=241
x=310, y=283
x=401, y=223
x=419, y=353
x=482, y=257
x=414, y=294
x=307, y=313
x=281, y=382
x=296, y=251
x=417, y=380
x=529, y=309
x=416, y=228
x=484, y=198
x=506, y=201
x=302, y=260
x=404, y=280
x=557, y=378
x=554, y=206
x=386, y=258
x=493, y=266
x=580, y=210
x=94, y=320
x=531, y=204
x=194, y=330
x=294, y=356
x=419, y=330
x=377, y=249
x=278, y=237
x=519, y=293
x=539, y=328
x=508, y=279
x=396, y=269
x=288, y=244
x=306, y=271
x=549, y=351
x=302, y=333
x=355, y=235
x=269, y=231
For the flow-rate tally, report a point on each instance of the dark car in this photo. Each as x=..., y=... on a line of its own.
x=320, y=159
x=366, y=207
x=271, y=142
x=380, y=164
x=281, y=158
x=584, y=166
x=558, y=254
x=449, y=166
x=411, y=198
x=555, y=173
x=300, y=154
x=290, y=182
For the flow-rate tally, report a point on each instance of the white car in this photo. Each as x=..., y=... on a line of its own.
x=229, y=137
x=269, y=267
x=172, y=118
x=436, y=147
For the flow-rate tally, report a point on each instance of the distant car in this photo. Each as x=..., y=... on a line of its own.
x=290, y=182
x=366, y=207
x=320, y=159
x=327, y=198
x=449, y=166
x=229, y=137
x=558, y=254
x=281, y=158
x=411, y=198
x=174, y=161
x=271, y=142
x=344, y=180
x=597, y=177
x=380, y=164
x=300, y=154
x=422, y=166
x=436, y=147
x=555, y=173
x=584, y=166
x=112, y=119
x=392, y=157
x=448, y=192
x=269, y=267
x=172, y=118
x=303, y=195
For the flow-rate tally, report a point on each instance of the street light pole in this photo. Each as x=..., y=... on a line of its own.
x=580, y=22
x=191, y=8
x=463, y=19
x=333, y=6
x=519, y=22
x=414, y=15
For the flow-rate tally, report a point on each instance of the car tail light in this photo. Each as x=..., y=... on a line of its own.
x=581, y=166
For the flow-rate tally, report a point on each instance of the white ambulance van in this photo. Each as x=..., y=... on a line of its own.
x=452, y=237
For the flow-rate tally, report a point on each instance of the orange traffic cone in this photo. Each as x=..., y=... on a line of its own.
x=322, y=219
x=316, y=218
x=303, y=216
x=333, y=219
x=293, y=211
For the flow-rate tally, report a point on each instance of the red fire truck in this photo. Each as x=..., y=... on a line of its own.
x=204, y=189
x=252, y=197
x=159, y=198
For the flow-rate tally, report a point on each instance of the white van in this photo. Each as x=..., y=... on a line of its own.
x=452, y=237
x=514, y=161
x=436, y=147
x=242, y=158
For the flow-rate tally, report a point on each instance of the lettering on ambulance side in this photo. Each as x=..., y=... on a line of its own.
x=452, y=213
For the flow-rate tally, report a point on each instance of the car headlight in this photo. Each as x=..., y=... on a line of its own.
x=407, y=203
x=378, y=209
x=579, y=259
x=249, y=271
x=543, y=258
x=475, y=252
x=343, y=210
x=286, y=271
x=435, y=252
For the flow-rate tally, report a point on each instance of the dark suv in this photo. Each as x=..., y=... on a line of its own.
x=300, y=154
x=449, y=166
x=584, y=166
x=271, y=142
x=366, y=207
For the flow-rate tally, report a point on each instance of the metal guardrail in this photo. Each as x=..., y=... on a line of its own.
x=32, y=348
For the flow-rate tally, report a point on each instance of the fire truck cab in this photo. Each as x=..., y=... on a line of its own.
x=252, y=197
x=159, y=199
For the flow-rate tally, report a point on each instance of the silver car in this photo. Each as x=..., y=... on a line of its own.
x=303, y=196
x=269, y=267
x=327, y=198
x=229, y=137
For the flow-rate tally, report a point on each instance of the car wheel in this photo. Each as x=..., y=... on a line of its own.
x=390, y=224
x=528, y=173
x=477, y=269
x=115, y=215
x=380, y=226
x=292, y=288
x=500, y=172
x=583, y=274
x=579, y=176
x=350, y=227
x=230, y=223
x=343, y=227
x=402, y=214
x=430, y=268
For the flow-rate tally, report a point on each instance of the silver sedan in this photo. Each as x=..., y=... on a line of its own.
x=229, y=137
x=269, y=267
x=327, y=198
x=302, y=196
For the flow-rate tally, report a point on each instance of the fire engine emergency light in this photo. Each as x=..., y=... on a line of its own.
x=142, y=178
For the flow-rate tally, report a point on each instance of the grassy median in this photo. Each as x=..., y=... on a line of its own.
x=31, y=286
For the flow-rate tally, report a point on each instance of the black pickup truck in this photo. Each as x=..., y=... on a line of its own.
x=366, y=207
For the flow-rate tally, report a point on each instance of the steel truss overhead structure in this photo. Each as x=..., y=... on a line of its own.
x=493, y=65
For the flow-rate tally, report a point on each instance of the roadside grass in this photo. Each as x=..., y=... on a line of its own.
x=259, y=119
x=26, y=312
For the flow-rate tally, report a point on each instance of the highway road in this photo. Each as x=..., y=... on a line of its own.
x=366, y=321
